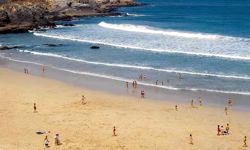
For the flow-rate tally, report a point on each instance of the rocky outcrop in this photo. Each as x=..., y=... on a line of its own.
x=9, y=47
x=23, y=15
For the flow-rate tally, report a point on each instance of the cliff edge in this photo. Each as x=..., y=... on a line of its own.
x=22, y=15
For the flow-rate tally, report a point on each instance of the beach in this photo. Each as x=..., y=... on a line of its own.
x=140, y=123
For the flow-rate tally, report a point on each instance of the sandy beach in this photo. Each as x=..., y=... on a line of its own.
x=140, y=123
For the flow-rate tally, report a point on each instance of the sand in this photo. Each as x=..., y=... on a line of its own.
x=140, y=123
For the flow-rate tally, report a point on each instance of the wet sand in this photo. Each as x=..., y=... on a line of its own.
x=213, y=99
x=140, y=123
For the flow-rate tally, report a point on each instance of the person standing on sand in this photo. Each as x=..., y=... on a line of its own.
x=114, y=131
x=226, y=110
x=176, y=108
x=192, y=103
x=43, y=69
x=57, y=140
x=230, y=102
x=227, y=128
x=34, y=107
x=141, y=77
x=191, y=139
x=245, y=141
x=46, y=142
x=127, y=84
x=142, y=94
x=179, y=77
x=200, y=101
x=218, y=130
x=83, y=100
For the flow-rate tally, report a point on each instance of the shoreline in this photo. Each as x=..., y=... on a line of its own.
x=140, y=123
x=119, y=88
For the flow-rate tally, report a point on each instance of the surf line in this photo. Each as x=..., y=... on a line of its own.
x=138, y=67
x=221, y=56
x=130, y=80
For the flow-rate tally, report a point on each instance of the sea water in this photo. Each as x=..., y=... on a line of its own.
x=206, y=43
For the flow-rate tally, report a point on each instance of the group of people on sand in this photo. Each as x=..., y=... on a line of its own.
x=142, y=77
x=199, y=101
x=229, y=105
x=134, y=84
x=46, y=141
x=56, y=138
x=220, y=128
x=26, y=71
x=223, y=131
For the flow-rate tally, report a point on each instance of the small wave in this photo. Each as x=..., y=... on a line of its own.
x=146, y=29
x=140, y=48
x=136, y=15
x=138, y=67
x=129, y=80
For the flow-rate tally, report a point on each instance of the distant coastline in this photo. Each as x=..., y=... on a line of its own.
x=22, y=16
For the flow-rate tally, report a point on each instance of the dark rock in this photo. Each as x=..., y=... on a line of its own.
x=4, y=18
x=9, y=47
x=94, y=47
x=53, y=45
x=68, y=25
x=18, y=16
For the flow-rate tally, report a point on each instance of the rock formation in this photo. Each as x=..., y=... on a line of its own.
x=24, y=15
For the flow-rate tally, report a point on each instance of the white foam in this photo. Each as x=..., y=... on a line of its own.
x=145, y=29
x=136, y=15
x=235, y=57
x=138, y=67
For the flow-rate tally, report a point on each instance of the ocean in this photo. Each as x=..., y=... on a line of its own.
x=206, y=42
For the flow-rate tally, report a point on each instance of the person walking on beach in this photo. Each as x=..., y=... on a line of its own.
x=176, y=108
x=46, y=142
x=142, y=94
x=179, y=76
x=191, y=139
x=230, y=102
x=227, y=128
x=245, y=141
x=156, y=82
x=226, y=110
x=43, y=69
x=218, y=130
x=141, y=77
x=114, y=131
x=200, y=101
x=192, y=103
x=34, y=107
x=127, y=84
x=83, y=100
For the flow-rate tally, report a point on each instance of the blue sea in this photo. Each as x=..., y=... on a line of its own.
x=206, y=42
